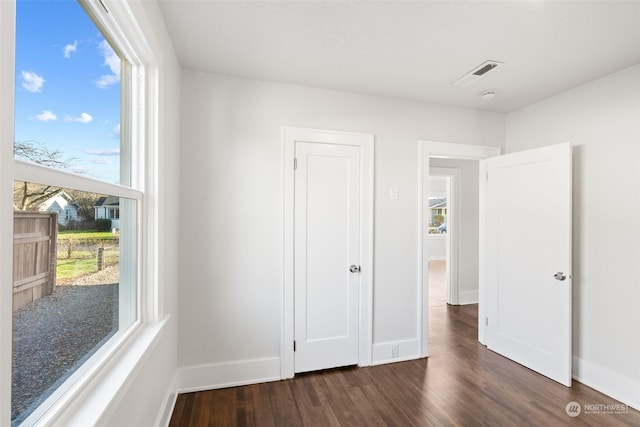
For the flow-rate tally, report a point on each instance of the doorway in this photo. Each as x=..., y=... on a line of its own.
x=428, y=151
x=441, y=234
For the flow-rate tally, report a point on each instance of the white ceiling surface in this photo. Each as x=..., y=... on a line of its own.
x=411, y=50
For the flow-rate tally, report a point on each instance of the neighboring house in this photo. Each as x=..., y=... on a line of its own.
x=438, y=208
x=108, y=208
x=67, y=208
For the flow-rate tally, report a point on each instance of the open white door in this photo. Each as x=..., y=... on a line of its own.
x=528, y=270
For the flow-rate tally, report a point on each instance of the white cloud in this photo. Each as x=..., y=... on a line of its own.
x=70, y=48
x=46, y=116
x=112, y=61
x=111, y=152
x=116, y=130
x=32, y=82
x=84, y=118
x=107, y=80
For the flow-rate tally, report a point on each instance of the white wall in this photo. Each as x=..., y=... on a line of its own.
x=231, y=181
x=602, y=121
x=437, y=186
x=468, y=232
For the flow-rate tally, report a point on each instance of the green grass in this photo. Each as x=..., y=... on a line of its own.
x=110, y=254
x=74, y=268
x=83, y=252
x=82, y=263
x=86, y=235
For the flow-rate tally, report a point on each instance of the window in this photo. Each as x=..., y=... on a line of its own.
x=76, y=133
x=438, y=200
x=73, y=289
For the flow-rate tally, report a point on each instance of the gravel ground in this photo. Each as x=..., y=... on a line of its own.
x=55, y=334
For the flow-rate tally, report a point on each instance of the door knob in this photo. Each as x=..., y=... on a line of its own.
x=354, y=268
x=560, y=276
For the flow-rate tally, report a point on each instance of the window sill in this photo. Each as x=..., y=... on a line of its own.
x=93, y=396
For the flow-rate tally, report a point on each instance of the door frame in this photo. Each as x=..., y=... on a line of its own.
x=446, y=150
x=365, y=305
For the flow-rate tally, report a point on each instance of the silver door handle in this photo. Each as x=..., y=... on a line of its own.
x=354, y=268
x=561, y=276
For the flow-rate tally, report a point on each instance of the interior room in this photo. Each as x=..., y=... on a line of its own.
x=233, y=98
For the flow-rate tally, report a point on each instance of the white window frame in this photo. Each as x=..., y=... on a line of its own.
x=88, y=396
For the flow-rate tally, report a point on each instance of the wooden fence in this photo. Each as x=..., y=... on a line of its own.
x=34, y=256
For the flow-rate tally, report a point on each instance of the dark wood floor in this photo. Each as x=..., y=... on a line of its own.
x=460, y=384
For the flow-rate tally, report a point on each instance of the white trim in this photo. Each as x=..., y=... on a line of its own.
x=125, y=33
x=468, y=297
x=230, y=374
x=482, y=263
x=366, y=143
x=606, y=381
x=7, y=82
x=149, y=296
x=407, y=350
x=423, y=285
x=168, y=403
x=449, y=150
x=25, y=171
x=427, y=149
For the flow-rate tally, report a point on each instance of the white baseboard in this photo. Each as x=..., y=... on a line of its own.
x=613, y=384
x=221, y=375
x=468, y=297
x=407, y=350
x=168, y=404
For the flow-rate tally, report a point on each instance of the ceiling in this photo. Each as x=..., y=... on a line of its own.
x=411, y=50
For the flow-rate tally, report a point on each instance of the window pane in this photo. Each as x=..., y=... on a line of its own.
x=74, y=284
x=438, y=200
x=68, y=94
x=438, y=215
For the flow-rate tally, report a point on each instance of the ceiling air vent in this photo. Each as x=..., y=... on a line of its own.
x=476, y=73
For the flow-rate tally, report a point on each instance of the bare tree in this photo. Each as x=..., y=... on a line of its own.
x=27, y=194
x=85, y=200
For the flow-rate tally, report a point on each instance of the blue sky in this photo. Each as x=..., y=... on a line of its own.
x=67, y=92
